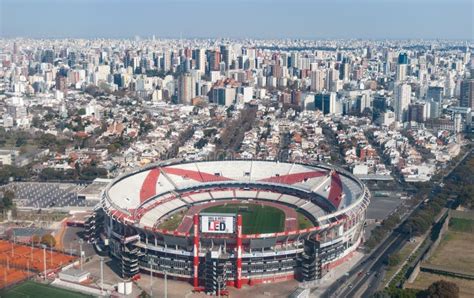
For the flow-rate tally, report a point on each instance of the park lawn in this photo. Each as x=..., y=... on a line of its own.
x=425, y=279
x=256, y=219
x=455, y=252
x=461, y=225
x=33, y=289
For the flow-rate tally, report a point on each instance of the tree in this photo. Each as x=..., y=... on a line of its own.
x=8, y=197
x=48, y=240
x=20, y=141
x=36, y=239
x=394, y=259
x=442, y=289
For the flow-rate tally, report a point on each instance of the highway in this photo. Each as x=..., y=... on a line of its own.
x=368, y=269
x=364, y=279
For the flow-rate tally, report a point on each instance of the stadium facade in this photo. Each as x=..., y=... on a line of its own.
x=134, y=206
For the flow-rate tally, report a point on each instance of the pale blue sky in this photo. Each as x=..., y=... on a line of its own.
x=312, y=19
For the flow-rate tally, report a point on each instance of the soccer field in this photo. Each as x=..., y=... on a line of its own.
x=256, y=219
x=33, y=289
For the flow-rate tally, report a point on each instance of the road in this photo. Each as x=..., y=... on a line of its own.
x=368, y=268
x=364, y=279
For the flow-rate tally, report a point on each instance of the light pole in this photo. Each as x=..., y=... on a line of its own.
x=166, y=284
x=80, y=251
x=151, y=278
x=44, y=261
x=101, y=274
x=219, y=280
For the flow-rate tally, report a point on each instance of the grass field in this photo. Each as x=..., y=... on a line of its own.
x=256, y=218
x=425, y=279
x=455, y=252
x=461, y=225
x=304, y=222
x=33, y=289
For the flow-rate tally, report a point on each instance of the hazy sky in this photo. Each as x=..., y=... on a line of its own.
x=314, y=19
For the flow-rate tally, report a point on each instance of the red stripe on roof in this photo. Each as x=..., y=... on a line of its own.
x=148, y=189
x=294, y=178
x=335, y=194
x=195, y=175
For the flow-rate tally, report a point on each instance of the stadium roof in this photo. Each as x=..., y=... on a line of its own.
x=133, y=190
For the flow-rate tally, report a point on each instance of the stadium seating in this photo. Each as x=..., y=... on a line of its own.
x=46, y=195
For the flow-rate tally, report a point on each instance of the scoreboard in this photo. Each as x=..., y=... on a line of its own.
x=217, y=223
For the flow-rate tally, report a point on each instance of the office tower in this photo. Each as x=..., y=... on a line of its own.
x=200, y=57
x=317, y=80
x=214, y=60
x=277, y=70
x=344, y=70
x=326, y=102
x=435, y=92
x=48, y=56
x=224, y=95
x=15, y=52
x=61, y=82
x=363, y=102
x=331, y=79
x=166, y=61
x=225, y=54
x=467, y=93
x=417, y=112
x=295, y=60
x=403, y=58
x=402, y=67
x=186, y=89
x=252, y=54
x=296, y=97
x=433, y=109
x=402, y=95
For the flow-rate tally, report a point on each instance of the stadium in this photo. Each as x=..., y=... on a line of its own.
x=232, y=222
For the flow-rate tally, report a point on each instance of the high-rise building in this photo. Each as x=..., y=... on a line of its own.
x=61, y=83
x=402, y=67
x=402, y=96
x=435, y=93
x=317, y=80
x=225, y=54
x=166, y=61
x=186, y=89
x=200, y=57
x=326, y=102
x=433, y=109
x=224, y=96
x=331, y=79
x=467, y=93
x=417, y=112
x=344, y=70
x=403, y=58
x=214, y=60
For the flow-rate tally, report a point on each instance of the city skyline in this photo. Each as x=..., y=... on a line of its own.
x=342, y=19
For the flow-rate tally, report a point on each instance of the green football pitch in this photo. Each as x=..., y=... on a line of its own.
x=256, y=219
x=33, y=289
